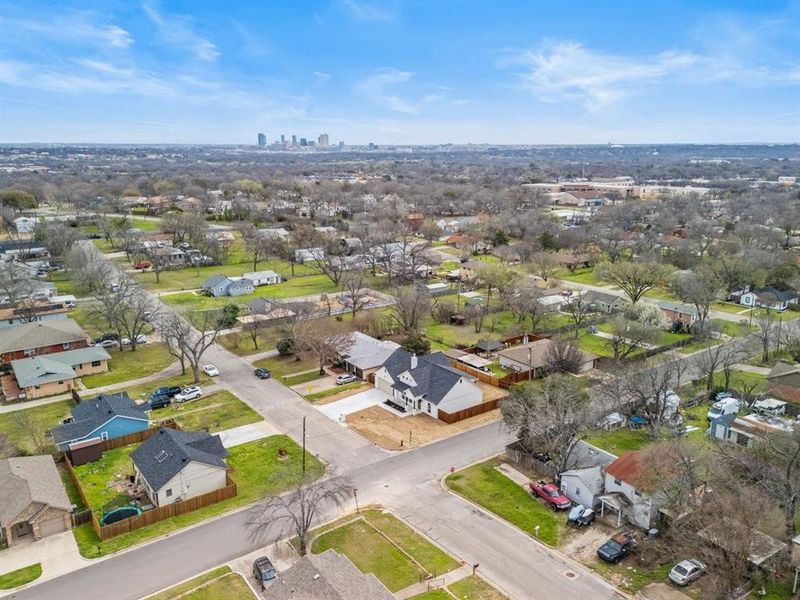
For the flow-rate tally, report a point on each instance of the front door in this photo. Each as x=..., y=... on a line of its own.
x=19, y=530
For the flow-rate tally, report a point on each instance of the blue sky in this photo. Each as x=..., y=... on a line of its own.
x=400, y=72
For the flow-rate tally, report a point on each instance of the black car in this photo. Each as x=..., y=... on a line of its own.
x=617, y=548
x=262, y=373
x=160, y=402
x=166, y=391
x=263, y=571
x=107, y=337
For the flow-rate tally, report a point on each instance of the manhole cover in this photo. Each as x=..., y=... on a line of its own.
x=569, y=575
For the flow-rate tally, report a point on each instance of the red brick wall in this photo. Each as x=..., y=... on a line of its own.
x=790, y=393
x=9, y=356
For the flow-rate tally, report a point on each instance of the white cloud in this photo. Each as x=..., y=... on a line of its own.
x=370, y=11
x=178, y=30
x=375, y=87
x=84, y=27
x=320, y=77
x=570, y=71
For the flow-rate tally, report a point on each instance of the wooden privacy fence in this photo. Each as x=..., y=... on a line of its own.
x=466, y=413
x=517, y=455
x=160, y=513
x=138, y=436
x=105, y=532
x=504, y=382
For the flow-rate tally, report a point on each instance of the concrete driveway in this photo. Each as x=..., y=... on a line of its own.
x=340, y=409
x=246, y=433
x=57, y=553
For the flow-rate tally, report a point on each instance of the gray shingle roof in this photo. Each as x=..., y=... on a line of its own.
x=433, y=376
x=56, y=366
x=180, y=448
x=91, y=414
x=27, y=479
x=40, y=333
x=329, y=575
x=213, y=281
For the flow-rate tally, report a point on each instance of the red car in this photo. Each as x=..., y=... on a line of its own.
x=142, y=265
x=550, y=493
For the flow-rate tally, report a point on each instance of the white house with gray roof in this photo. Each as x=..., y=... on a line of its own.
x=174, y=465
x=426, y=384
x=365, y=354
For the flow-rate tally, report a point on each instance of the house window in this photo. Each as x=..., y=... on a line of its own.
x=95, y=363
x=29, y=352
x=66, y=345
x=61, y=382
x=168, y=493
x=577, y=491
x=429, y=407
x=617, y=482
x=637, y=493
x=104, y=435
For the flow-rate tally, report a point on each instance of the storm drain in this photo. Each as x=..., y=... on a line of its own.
x=570, y=575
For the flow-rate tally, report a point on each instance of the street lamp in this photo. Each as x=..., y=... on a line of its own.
x=355, y=493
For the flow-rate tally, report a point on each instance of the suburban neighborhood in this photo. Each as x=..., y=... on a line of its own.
x=366, y=300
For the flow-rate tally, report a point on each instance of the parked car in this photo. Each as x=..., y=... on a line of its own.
x=106, y=337
x=190, y=393
x=107, y=343
x=345, y=378
x=263, y=571
x=141, y=265
x=140, y=339
x=262, y=373
x=550, y=493
x=211, y=370
x=159, y=401
x=617, y=547
x=686, y=571
x=169, y=391
x=580, y=516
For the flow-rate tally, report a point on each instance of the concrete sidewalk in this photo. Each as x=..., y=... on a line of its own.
x=170, y=371
x=752, y=369
x=58, y=555
x=444, y=580
x=246, y=433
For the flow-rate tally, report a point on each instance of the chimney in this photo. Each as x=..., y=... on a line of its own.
x=414, y=361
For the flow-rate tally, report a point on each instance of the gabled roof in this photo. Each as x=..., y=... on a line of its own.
x=40, y=333
x=685, y=309
x=168, y=451
x=366, y=352
x=783, y=368
x=260, y=275
x=627, y=467
x=329, y=575
x=91, y=414
x=56, y=366
x=593, y=296
x=433, y=376
x=27, y=479
x=539, y=350
x=213, y=281
x=773, y=293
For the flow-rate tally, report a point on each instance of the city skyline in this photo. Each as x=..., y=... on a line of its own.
x=400, y=72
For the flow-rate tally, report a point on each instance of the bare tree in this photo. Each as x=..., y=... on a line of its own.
x=772, y=464
x=700, y=288
x=650, y=391
x=627, y=336
x=57, y=238
x=633, y=278
x=719, y=358
x=32, y=429
x=545, y=264
x=548, y=418
x=767, y=333
x=526, y=304
x=189, y=340
x=7, y=448
x=322, y=340
x=412, y=304
x=563, y=357
x=296, y=511
x=354, y=284
x=579, y=310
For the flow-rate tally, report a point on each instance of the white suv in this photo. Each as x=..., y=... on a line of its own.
x=189, y=393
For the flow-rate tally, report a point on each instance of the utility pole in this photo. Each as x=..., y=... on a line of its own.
x=304, y=447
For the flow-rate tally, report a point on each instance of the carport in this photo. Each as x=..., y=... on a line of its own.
x=615, y=502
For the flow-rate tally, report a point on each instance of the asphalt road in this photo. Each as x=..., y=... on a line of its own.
x=407, y=483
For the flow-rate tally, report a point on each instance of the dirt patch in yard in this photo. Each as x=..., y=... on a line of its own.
x=399, y=433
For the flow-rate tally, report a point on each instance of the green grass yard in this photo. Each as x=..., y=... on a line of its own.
x=66, y=285
x=254, y=467
x=585, y=276
x=366, y=542
x=487, y=487
x=474, y=588
x=215, y=412
x=619, y=440
x=312, y=375
x=126, y=365
x=18, y=425
x=20, y=577
x=186, y=586
x=632, y=579
x=280, y=366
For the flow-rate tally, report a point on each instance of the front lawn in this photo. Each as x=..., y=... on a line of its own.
x=595, y=344
x=474, y=588
x=20, y=577
x=66, y=285
x=729, y=307
x=302, y=377
x=126, y=365
x=257, y=472
x=280, y=366
x=24, y=427
x=182, y=588
x=585, y=275
x=334, y=390
x=619, y=440
x=241, y=343
x=230, y=587
x=378, y=543
x=486, y=486
x=216, y=412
